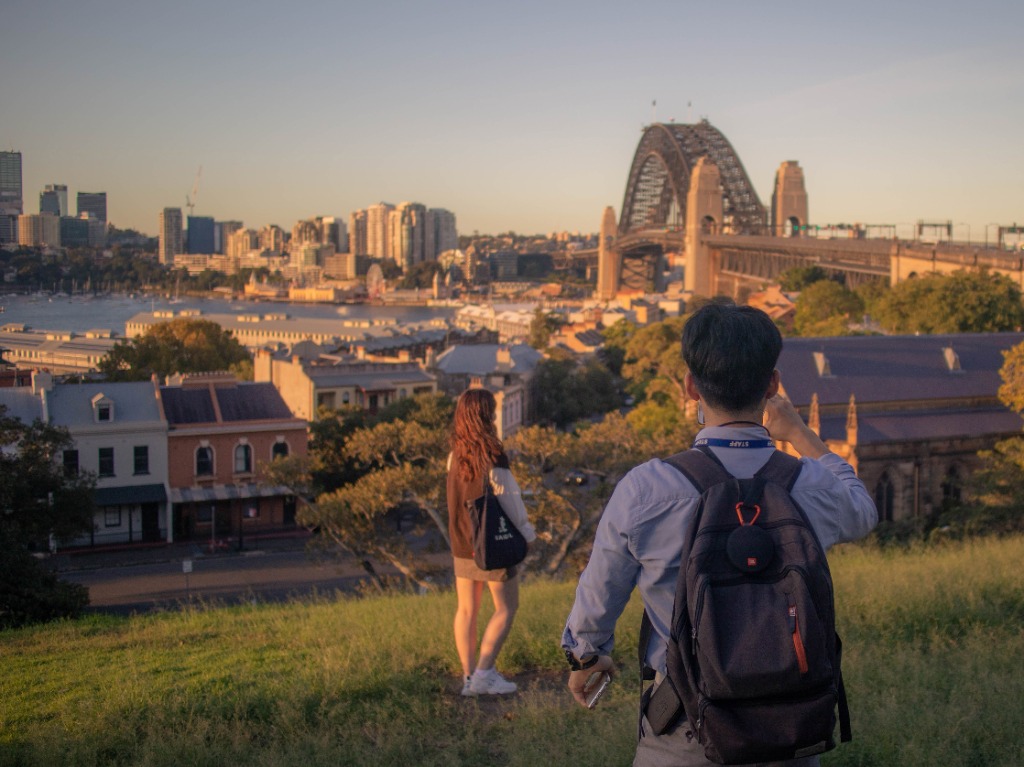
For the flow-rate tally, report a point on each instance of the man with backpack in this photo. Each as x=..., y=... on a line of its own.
x=725, y=543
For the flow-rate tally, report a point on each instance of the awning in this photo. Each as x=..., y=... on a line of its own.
x=225, y=493
x=130, y=495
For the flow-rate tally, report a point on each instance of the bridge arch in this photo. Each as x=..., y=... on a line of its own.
x=659, y=180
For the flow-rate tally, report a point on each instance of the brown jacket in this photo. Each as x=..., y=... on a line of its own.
x=460, y=527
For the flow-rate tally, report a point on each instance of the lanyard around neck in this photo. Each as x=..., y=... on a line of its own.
x=756, y=444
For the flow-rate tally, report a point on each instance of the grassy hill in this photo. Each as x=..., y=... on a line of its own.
x=933, y=644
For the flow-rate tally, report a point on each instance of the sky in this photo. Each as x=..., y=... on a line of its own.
x=515, y=116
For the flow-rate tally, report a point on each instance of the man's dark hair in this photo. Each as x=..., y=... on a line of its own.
x=731, y=352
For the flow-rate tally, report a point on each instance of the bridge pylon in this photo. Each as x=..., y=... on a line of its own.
x=789, y=200
x=609, y=259
x=703, y=217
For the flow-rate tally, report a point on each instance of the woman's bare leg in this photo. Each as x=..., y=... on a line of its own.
x=506, y=602
x=469, y=593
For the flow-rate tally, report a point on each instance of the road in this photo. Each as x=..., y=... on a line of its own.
x=267, y=575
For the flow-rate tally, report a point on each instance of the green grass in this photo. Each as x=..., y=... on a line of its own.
x=934, y=639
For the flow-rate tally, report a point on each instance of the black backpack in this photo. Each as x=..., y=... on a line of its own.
x=754, y=658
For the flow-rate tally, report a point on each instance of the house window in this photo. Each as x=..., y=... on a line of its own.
x=885, y=497
x=243, y=459
x=70, y=463
x=111, y=516
x=279, y=450
x=106, y=456
x=103, y=411
x=204, y=462
x=142, y=459
x=325, y=399
x=346, y=398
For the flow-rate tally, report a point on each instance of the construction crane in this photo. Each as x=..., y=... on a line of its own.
x=190, y=201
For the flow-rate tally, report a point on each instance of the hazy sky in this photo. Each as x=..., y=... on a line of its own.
x=515, y=115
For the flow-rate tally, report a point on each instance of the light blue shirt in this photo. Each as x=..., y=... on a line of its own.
x=640, y=536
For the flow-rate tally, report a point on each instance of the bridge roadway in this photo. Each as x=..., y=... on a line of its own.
x=755, y=258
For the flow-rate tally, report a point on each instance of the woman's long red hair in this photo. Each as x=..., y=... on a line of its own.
x=475, y=443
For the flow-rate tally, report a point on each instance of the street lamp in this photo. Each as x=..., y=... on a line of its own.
x=986, y=234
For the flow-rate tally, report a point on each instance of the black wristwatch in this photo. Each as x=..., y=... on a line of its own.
x=581, y=663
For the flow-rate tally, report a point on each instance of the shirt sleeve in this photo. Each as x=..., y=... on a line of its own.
x=506, y=490
x=608, y=580
x=835, y=500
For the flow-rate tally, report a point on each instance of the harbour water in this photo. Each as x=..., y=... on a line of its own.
x=81, y=313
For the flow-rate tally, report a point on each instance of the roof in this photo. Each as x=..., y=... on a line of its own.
x=71, y=405
x=883, y=369
x=367, y=375
x=130, y=494
x=21, y=403
x=245, y=401
x=924, y=425
x=482, y=359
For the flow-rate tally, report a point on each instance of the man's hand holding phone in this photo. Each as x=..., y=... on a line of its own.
x=587, y=685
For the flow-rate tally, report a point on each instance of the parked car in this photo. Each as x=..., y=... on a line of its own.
x=575, y=477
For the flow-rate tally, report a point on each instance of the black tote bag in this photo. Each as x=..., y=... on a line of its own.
x=497, y=543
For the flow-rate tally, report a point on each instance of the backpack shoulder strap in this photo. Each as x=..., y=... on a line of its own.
x=700, y=467
x=782, y=469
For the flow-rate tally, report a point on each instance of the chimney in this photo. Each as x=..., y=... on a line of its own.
x=504, y=358
x=42, y=380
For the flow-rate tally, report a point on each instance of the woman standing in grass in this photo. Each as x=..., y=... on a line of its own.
x=477, y=456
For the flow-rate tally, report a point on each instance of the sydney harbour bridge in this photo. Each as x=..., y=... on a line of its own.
x=689, y=203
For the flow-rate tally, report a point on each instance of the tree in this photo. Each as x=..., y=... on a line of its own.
x=826, y=308
x=37, y=500
x=566, y=391
x=541, y=327
x=182, y=345
x=565, y=516
x=616, y=338
x=1011, y=392
x=654, y=361
x=961, y=302
x=801, y=277
x=401, y=463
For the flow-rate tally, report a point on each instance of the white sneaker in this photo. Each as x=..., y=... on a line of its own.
x=466, y=691
x=490, y=682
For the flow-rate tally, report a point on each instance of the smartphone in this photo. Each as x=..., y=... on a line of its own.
x=597, y=688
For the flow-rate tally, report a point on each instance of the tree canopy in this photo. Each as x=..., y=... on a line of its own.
x=826, y=308
x=654, y=361
x=38, y=499
x=181, y=345
x=961, y=302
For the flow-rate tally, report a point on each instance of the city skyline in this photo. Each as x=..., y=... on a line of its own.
x=524, y=120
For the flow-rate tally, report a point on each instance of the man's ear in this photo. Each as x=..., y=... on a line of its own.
x=773, y=384
x=691, y=387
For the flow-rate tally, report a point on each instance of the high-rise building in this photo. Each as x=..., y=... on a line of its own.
x=378, y=220
x=11, y=200
x=441, y=228
x=408, y=230
x=200, y=234
x=335, y=232
x=306, y=231
x=54, y=199
x=39, y=229
x=222, y=232
x=93, y=203
x=170, y=235
x=272, y=238
x=74, y=232
x=241, y=242
x=357, y=233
